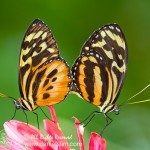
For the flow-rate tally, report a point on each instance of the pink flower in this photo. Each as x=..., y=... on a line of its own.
x=21, y=136
x=96, y=141
x=26, y=137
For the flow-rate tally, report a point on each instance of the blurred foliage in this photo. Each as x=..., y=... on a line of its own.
x=72, y=22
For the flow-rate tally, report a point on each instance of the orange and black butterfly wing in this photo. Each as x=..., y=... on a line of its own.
x=51, y=82
x=99, y=71
x=38, y=47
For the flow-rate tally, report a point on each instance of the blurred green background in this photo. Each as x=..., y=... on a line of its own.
x=72, y=22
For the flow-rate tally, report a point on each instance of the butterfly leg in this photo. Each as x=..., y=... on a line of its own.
x=91, y=116
x=14, y=114
x=44, y=113
x=108, y=121
x=26, y=116
x=37, y=118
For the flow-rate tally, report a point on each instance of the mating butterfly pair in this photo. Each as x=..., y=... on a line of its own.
x=97, y=75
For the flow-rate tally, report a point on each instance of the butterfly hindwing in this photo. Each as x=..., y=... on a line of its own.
x=99, y=71
x=86, y=77
x=50, y=82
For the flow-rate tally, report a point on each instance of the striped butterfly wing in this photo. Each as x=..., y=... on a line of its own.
x=38, y=56
x=99, y=71
x=50, y=82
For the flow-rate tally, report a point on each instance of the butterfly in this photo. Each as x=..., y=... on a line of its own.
x=99, y=71
x=44, y=76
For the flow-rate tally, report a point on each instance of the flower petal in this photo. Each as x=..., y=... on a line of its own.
x=15, y=145
x=56, y=134
x=80, y=131
x=53, y=114
x=97, y=142
x=26, y=135
x=5, y=148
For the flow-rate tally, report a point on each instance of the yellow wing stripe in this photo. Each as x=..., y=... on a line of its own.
x=97, y=86
x=116, y=38
x=81, y=79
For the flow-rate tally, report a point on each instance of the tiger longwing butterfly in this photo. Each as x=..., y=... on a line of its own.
x=99, y=71
x=44, y=76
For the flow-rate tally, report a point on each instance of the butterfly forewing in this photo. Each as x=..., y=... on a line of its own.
x=39, y=60
x=99, y=71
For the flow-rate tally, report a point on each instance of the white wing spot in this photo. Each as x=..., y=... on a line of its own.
x=33, y=25
x=97, y=55
x=76, y=63
x=91, y=53
x=75, y=68
x=117, y=29
x=111, y=27
x=101, y=58
x=97, y=36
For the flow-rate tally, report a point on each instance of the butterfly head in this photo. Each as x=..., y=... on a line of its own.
x=116, y=109
x=17, y=104
x=111, y=108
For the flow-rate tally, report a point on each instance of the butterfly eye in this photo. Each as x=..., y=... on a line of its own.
x=17, y=104
x=116, y=109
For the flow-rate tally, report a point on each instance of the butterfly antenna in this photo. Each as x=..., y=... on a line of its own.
x=135, y=96
x=139, y=92
x=6, y=96
x=147, y=100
